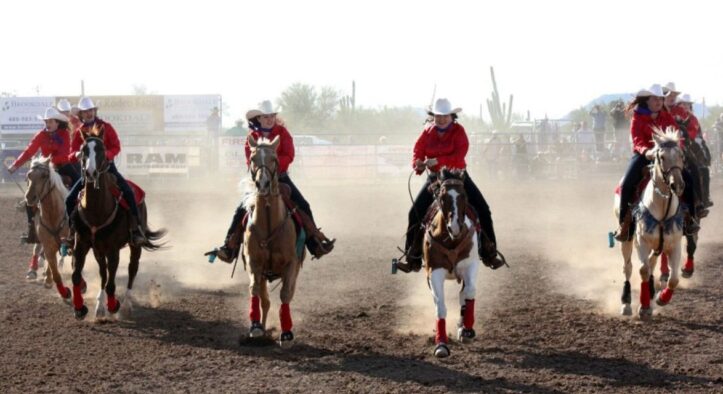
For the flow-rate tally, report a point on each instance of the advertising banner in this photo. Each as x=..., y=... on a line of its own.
x=18, y=115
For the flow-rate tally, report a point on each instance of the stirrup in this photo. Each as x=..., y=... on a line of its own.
x=225, y=254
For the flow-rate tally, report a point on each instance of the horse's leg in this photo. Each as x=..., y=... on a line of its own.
x=664, y=270
x=265, y=302
x=468, y=293
x=436, y=283
x=288, y=288
x=34, y=263
x=691, y=242
x=663, y=298
x=113, y=260
x=100, y=299
x=644, y=255
x=79, y=253
x=257, y=329
x=127, y=305
x=51, y=259
x=627, y=251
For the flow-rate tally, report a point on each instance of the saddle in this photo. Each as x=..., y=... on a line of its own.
x=138, y=193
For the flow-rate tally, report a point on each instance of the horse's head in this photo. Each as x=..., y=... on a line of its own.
x=668, y=161
x=452, y=200
x=92, y=156
x=264, y=164
x=38, y=181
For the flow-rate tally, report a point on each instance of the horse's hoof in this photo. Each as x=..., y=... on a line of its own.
x=47, y=285
x=257, y=330
x=659, y=301
x=626, y=310
x=441, y=350
x=67, y=294
x=81, y=313
x=115, y=308
x=286, y=340
x=645, y=313
x=31, y=275
x=687, y=274
x=466, y=335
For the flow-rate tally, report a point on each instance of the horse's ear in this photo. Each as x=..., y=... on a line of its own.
x=252, y=141
x=275, y=142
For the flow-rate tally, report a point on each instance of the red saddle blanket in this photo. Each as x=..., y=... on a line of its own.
x=138, y=193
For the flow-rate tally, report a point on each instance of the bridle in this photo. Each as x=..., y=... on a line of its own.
x=104, y=167
x=48, y=185
x=271, y=172
x=442, y=190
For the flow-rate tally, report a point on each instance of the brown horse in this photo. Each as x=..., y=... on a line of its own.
x=103, y=226
x=46, y=190
x=448, y=253
x=269, y=242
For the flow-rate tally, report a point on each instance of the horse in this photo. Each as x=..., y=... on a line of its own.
x=47, y=191
x=658, y=225
x=103, y=226
x=270, y=242
x=448, y=252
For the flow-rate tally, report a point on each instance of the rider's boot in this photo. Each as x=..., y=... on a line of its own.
x=414, y=249
x=31, y=237
x=317, y=243
x=622, y=234
x=231, y=247
x=138, y=237
x=690, y=226
x=487, y=251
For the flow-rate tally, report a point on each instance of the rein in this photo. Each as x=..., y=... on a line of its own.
x=658, y=166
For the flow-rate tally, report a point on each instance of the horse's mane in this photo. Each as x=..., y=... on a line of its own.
x=55, y=178
x=263, y=142
x=248, y=191
x=668, y=136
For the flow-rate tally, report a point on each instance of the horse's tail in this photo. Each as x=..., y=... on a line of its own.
x=152, y=236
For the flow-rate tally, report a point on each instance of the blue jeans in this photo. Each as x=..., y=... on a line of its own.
x=72, y=198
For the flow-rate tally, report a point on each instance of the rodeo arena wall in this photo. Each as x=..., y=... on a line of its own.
x=171, y=137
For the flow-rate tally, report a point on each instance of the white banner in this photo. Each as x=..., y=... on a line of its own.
x=18, y=115
x=145, y=160
x=190, y=113
x=231, y=155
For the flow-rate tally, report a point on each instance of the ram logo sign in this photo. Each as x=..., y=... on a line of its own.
x=154, y=160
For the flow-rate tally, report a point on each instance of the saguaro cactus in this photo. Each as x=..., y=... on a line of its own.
x=500, y=113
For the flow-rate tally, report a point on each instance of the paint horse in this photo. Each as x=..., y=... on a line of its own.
x=658, y=224
x=448, y=252
x=270, y=242
x=47, y=191
x=102, y=225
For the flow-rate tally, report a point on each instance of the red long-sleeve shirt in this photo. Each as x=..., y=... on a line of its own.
x=641, y=129
x=449, y=147
x=284, y=151
x=55, y=144
x=110, y=140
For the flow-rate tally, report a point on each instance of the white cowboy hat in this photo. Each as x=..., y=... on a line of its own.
x=64, y=105
x=443, y=107
x=654, y=90
x=52, y=113
x=670, y=88
x=85, y=104
x=685, y=98
x=263, y=108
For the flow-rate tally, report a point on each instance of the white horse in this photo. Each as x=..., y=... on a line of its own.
x=659, y=224
x=450, y=252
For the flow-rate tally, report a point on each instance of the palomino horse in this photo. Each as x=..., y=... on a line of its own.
x=448, y=253
x=46, y=190
x=269, y=242
x=103, y=226
x=659, y=224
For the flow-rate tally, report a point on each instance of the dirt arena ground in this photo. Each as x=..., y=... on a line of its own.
x=548, y=324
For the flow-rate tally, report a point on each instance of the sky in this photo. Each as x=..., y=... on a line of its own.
x=554, y=56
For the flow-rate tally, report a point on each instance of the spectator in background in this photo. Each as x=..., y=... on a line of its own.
x=599, y=119
x=620, y=124
x=718, y=126
x=65, y=108
x=238, y=130
x=585, y=141
x=213, y=123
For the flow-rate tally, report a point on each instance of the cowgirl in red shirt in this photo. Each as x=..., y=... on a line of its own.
x=53, y=141
x=444, y=143
x=263, y=123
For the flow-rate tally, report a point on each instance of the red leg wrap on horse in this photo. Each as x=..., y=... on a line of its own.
x=666, y=295
x=61, y=290
x=442, y=331
x=254, y=310
x=285, y=318
x=645, y=294
x=664, y=268
x=77, y=297
x=468, y=313
x=689, y=264
x=33, y=263
x=112, y=303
